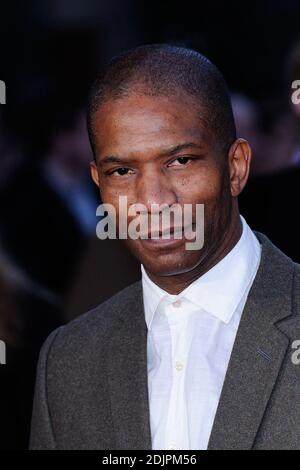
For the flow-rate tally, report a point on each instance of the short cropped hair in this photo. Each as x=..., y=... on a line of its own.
x=164, y=70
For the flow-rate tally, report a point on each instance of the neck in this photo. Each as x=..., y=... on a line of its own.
x=178, y=282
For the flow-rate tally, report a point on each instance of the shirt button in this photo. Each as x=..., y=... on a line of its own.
x=178, y=366
x=177, y=304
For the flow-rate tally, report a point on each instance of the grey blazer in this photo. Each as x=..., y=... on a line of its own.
x=91, y=388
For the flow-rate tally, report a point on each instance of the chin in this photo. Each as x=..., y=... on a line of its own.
x=165, y=261
x=171, y=264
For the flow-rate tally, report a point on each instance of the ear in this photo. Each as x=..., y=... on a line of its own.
x=94, y=173
x=239, y=165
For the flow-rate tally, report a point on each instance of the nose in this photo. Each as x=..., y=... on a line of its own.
x=154, y=187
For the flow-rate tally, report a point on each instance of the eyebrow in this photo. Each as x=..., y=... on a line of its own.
x=168, y=152
x=178, y=148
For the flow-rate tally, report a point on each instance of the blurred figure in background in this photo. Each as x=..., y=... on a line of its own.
x=293, y=73
x=247, y=117
x=11, y=157
x=49, y=209
x=270, y=200
x=28, y=314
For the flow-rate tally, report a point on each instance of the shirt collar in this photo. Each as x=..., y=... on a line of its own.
x=220, y=290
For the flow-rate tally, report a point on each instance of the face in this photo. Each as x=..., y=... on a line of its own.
x=157, y=150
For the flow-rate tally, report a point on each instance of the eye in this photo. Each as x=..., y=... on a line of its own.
x=180, y=161
x=119, y=171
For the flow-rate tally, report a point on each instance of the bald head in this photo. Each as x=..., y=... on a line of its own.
x=164, y=70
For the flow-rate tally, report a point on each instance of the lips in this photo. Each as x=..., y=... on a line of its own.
x=166, y=234
x=162, y=243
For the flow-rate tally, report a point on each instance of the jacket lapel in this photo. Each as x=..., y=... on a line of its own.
x=127, y=376
x=257, y=355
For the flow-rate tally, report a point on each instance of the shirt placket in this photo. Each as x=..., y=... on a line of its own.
x=176, y=436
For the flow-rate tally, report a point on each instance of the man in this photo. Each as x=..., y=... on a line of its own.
x=201, y=353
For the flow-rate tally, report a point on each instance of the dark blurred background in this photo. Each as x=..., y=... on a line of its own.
x=52, y=267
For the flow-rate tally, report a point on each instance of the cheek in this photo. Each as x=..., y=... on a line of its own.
x=120, y=200
x=111, y=194
x=204, y=187
x=112, y=188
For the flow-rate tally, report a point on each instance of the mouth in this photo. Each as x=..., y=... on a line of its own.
x=167, y=233
x=163, y=239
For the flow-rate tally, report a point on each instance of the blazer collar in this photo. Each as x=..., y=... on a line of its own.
x=258, y=353
x=127, y=375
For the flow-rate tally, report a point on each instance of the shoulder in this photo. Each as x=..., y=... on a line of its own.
x=94, y=327
x=296, y=286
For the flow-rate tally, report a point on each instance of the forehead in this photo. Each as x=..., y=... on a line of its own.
x=140, y=122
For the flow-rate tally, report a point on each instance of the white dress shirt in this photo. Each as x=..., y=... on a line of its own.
x=190, y=339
